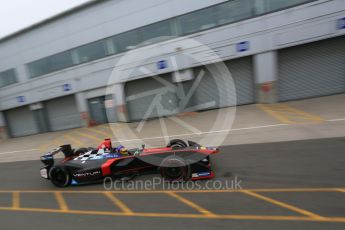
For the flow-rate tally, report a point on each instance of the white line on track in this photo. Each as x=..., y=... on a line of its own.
x=217, y=131
x=185, y=134
x=341, y=119
x=19, y=151
x=201, y=133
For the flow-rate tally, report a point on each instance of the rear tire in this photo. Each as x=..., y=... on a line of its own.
x=174, y=168
x=60, y=177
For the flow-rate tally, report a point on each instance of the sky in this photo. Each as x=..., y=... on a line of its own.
x=18, y=14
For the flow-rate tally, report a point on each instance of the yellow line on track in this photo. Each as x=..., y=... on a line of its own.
x=288, y=114
x=175, y=215
x=284, y=205
x=73, y=139
x=294, y=190
x=88, y=136
x=43, y=147
x=341, y=190
x=305, y=114
x=191, y=204
x=15, y=200
x=181, y=191
x=274, y=114
x=61, y=201
x=104, y=134
x=118, y=203
x=58, y=142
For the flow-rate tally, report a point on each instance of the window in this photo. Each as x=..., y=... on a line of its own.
x=232, y=11
x=60, y=61
x=126, y=41
x=40, y=67
x=199, y=20
x=221, y=14
x=92, y=51
x=265, y=6
x=50, y=64
x=157, y=30
x=7, y=77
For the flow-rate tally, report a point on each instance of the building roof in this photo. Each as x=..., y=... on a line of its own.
x=53, y=18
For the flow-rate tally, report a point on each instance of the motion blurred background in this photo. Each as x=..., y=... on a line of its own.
x=54, y=73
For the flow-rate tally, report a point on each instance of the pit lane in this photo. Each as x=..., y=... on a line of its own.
x=286, y=185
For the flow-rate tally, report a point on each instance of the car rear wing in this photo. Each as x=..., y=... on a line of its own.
x=48, y=158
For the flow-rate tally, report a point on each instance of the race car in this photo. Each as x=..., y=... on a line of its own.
x=178, y=161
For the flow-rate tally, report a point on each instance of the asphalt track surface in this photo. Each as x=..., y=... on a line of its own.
x=286, y=185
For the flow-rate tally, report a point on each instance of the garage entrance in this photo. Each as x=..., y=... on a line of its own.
x=21, y=122
x=212, y=89
x=160, y=96
x=312, y=70
x=151, y=97
x=62, y=113
x=98, y=110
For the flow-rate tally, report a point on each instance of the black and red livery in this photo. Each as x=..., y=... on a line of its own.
x=177, y=161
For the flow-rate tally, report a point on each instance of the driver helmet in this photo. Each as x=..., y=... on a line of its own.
x=106, y=144
x=121, y=149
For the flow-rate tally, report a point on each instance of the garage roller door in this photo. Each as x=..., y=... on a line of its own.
x=150, y=98
x=63, y=113
x=312, y=70
x=21, y=122
x=209, y=92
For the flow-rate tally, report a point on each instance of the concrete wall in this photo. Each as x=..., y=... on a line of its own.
x=264, y=34
x=3, y=132
x=91, y=24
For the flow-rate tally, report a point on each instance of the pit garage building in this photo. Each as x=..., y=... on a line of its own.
x=53, y=75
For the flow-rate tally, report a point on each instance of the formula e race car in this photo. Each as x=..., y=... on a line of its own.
x=178, y=161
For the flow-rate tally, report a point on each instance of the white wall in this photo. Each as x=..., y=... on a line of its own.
x=302, y=24
x=265, y=67
x=91, y=24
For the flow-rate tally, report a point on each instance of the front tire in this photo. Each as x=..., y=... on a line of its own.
x=60, y=177
x=177, y=144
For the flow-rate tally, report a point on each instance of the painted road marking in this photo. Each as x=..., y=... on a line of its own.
x=118, y=203
x=58, y=142
x=174, y=215
x=103, y=133
x=290, y=115
x=88, y=136
x=19, y=151
x=268, y=190
x=213, y=132
x=204, y=214
x=15, y=200
x=44, y=147
x=284, y=205
x=73, y=139
x=332, y=120
x=201, y=133
x=61, y=201
x=172, y=136
x=191, y=204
